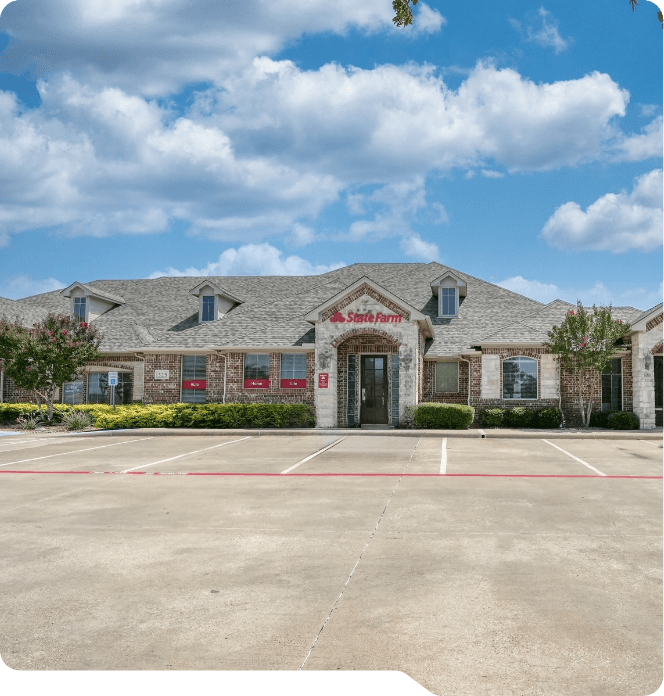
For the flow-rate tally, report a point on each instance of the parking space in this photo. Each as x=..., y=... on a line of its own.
x=469, y=584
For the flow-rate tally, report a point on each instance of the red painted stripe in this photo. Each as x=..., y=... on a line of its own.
x=236, y=473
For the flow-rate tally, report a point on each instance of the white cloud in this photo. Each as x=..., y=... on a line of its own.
x=100, y=161
x=416, y=247
x=634, y=148
x=615, y=222
x=302, y=235
x=253, y=259
x=155, y=47
x=18, y=286
x=546, y=32
x=599, y=294
x=492, y=174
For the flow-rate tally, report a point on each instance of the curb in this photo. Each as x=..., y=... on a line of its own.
x=497, y=433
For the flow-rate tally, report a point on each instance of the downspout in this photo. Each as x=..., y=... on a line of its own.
x=224, y=356
x=2, y=384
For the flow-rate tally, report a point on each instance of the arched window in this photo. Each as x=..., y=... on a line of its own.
x=519, y=378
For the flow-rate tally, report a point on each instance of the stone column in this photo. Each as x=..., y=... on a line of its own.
x=550, y=387
x=326, y=399
x=408, y=361
x=643, y=382
x=491, y=377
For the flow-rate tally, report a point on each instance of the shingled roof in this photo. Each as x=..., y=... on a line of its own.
x=161, y=314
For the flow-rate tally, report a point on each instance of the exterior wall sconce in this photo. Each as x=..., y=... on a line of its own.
x=647, y=361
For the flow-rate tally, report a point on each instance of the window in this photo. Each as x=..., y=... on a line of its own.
x=256, y=371
x=447, y=377
x=520, y=378
x=293, y=370
x=79, y=308
x=194, y=379
x=447, y=301
x=72, y=392
x=100, y=393
x=208, y=308
x=612, y=386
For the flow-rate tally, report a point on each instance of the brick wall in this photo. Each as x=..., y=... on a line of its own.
x=654, y=322
x=370, y=292
x=429, y=385
x=162, y=391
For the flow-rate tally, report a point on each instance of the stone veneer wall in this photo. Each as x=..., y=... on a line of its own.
x=644, y=343
x=361, y=344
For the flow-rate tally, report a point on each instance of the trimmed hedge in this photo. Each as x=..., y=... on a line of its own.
x=600, y=419
x=181, y=415
x=521, y=417
x=623, y=420
x=444, y=416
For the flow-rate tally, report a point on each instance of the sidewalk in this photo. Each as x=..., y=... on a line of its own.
x=530, y=433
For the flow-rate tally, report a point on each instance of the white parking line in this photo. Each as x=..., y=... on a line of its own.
x=573, y=457
x=186, y=454
x=315, y=454
x=62, y=454
x=655, y=444
x=443, y=457
x=29, y=444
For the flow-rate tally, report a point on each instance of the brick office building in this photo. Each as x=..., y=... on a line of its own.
x=359, y=344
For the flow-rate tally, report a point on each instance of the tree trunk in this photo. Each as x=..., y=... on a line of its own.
x=582, y=375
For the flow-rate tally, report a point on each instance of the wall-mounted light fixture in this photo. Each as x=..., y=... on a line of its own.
x=647, y=361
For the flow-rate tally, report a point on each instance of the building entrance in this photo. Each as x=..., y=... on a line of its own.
x=373, y=394
x=658, y=391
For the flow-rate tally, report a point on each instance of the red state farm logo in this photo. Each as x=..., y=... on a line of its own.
x=338, y=318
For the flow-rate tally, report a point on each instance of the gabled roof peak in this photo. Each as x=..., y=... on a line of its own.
x=90, y=289
x=217, y=289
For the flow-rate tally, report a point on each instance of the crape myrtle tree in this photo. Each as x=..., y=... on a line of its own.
x=54, y=351
x=404, y=12
x=585, y=343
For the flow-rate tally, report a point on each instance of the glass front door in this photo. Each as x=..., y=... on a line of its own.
x=658, y=391
x=373, y=395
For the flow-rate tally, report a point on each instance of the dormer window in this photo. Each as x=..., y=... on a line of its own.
x=79, y=308
x=207, y=310
x=213, y=301
x=451, y=290
x=447, y=300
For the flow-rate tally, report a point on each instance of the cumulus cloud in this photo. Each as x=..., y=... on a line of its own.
x=302, y=235
x=647, y=144
x=100, y=161
x=415, y=247
x=492, y=174
x=615, y=222
x=545, y=32
x=599, y=293
x=155, y=48
x=253, y=259
x=15, y=287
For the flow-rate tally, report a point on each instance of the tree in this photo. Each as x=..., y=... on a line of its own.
x=585, y=343
x=41, y=359
x=404, y=12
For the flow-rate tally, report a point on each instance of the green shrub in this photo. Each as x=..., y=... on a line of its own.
x=444, y=416
x=623, y=420
x=600, y=419
x=77, y=420
x=518, y=417
x=492, y=417
x=550, y=417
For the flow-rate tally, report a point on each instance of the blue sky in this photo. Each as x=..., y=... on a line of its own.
x=519, y=142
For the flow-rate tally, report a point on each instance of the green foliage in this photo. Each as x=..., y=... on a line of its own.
x=585, y=342
x=29, y=421
x=403, y=12
x=77, y=420
x=52, y=352
x=492, y=417
x=623, y=420
x=519, y=417
x=547, y=418
x=600, y=419
x=444, y=416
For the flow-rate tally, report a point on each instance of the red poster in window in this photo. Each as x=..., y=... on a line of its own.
x=194, y=384
x=293, y=383
x=256, y=383
x=323, y=380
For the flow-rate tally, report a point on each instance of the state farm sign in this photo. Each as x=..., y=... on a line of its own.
x=368, y=318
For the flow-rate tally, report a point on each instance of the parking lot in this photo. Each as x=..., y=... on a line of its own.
x=476, y=566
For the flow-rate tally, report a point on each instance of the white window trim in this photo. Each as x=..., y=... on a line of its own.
x=214, y=310
x=435, y=377
x=502, y=378
x=87, y=308
x=440, y=303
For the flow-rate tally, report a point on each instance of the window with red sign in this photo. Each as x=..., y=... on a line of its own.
x=194, y=376
x=256, y=371
x=293, y=370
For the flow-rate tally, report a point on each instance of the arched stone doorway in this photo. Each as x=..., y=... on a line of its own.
x=367, y=359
